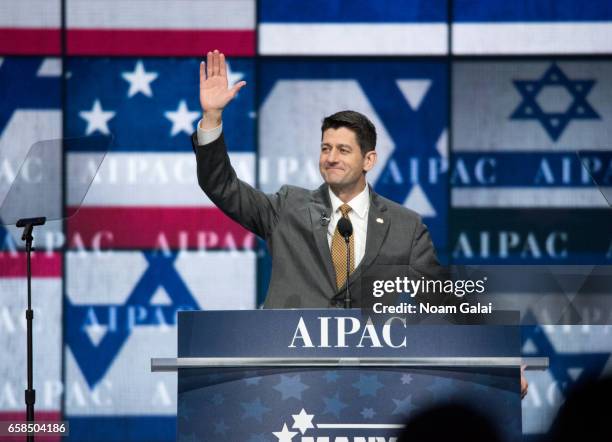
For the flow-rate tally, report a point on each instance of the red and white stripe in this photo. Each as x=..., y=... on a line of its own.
x=152, y=200
x=160, y=27
x=125, y=27
x=30, y=27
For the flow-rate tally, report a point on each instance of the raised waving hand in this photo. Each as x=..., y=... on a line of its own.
x=214, y=91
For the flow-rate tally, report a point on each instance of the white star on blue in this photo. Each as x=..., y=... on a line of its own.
x=406, y=378
x=334, y=405
x=368, y=385
x=254, y=409
x=291, y=387
x=554, y=122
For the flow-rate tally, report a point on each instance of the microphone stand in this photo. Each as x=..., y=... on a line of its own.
x=347, y=294
x=30, y=394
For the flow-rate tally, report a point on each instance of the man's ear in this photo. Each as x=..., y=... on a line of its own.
x=369, y=160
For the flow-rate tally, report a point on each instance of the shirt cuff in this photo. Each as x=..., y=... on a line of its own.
x=210, y=135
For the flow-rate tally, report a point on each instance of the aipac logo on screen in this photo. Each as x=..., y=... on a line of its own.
x=332, y=432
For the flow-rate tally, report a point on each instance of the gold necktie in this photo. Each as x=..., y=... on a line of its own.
x=338, y=251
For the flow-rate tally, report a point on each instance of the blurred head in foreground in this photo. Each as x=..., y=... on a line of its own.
x=586, y=414
x=452, y=422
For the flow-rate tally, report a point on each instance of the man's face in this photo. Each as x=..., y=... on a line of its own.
x=341, y=163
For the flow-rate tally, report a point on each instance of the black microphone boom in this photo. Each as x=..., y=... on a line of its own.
x=345, y=228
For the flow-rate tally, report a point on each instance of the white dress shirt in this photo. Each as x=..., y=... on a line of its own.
x=210, y=135
x=360, y=205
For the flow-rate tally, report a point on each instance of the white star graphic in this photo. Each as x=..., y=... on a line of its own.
x=285, y=435
x=140, y=80
x=182, y=119
x=97, y=119
x=302, y=421
x=406, y=378
x=233, y=77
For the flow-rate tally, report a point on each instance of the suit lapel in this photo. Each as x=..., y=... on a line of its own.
x=319, y=207
x=378, y=226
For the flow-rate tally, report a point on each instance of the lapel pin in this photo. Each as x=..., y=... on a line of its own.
x=380, y=220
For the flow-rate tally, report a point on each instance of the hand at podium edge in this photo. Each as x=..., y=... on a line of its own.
x=524, y=383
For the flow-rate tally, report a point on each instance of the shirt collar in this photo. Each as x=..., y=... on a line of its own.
x=359, y=204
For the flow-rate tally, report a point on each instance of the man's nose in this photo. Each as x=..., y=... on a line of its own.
x=332, y=157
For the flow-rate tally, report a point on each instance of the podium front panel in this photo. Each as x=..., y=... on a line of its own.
x=310, y=404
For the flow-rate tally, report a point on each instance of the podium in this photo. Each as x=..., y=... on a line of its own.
x=335, y=375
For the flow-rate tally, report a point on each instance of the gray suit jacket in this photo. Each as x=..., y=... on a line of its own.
x=290, y=221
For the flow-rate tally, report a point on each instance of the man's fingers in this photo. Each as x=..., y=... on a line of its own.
x=222, y=66
x=234, y=90
x=202, y=72
x=209, y=64
x=216, y=63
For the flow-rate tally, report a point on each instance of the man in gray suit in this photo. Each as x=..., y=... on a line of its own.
x=299, y=225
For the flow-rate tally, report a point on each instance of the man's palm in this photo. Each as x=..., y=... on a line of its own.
x=214, y=92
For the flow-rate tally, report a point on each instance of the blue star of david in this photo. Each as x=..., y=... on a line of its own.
x=592, y=364
x=331, y=376
x=291, y=387
x=368, y=413
x=255, y=410
x=554, y=122
x=333, y=405
x=403, y=406
x=368, y=385
x=94, y=361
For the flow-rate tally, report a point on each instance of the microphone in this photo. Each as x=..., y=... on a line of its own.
x=345, y=228
x=325, y=219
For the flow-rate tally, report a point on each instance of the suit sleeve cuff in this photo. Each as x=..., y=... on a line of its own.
x=208, y=136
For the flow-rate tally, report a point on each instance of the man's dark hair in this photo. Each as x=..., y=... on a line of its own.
x=358, y=123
